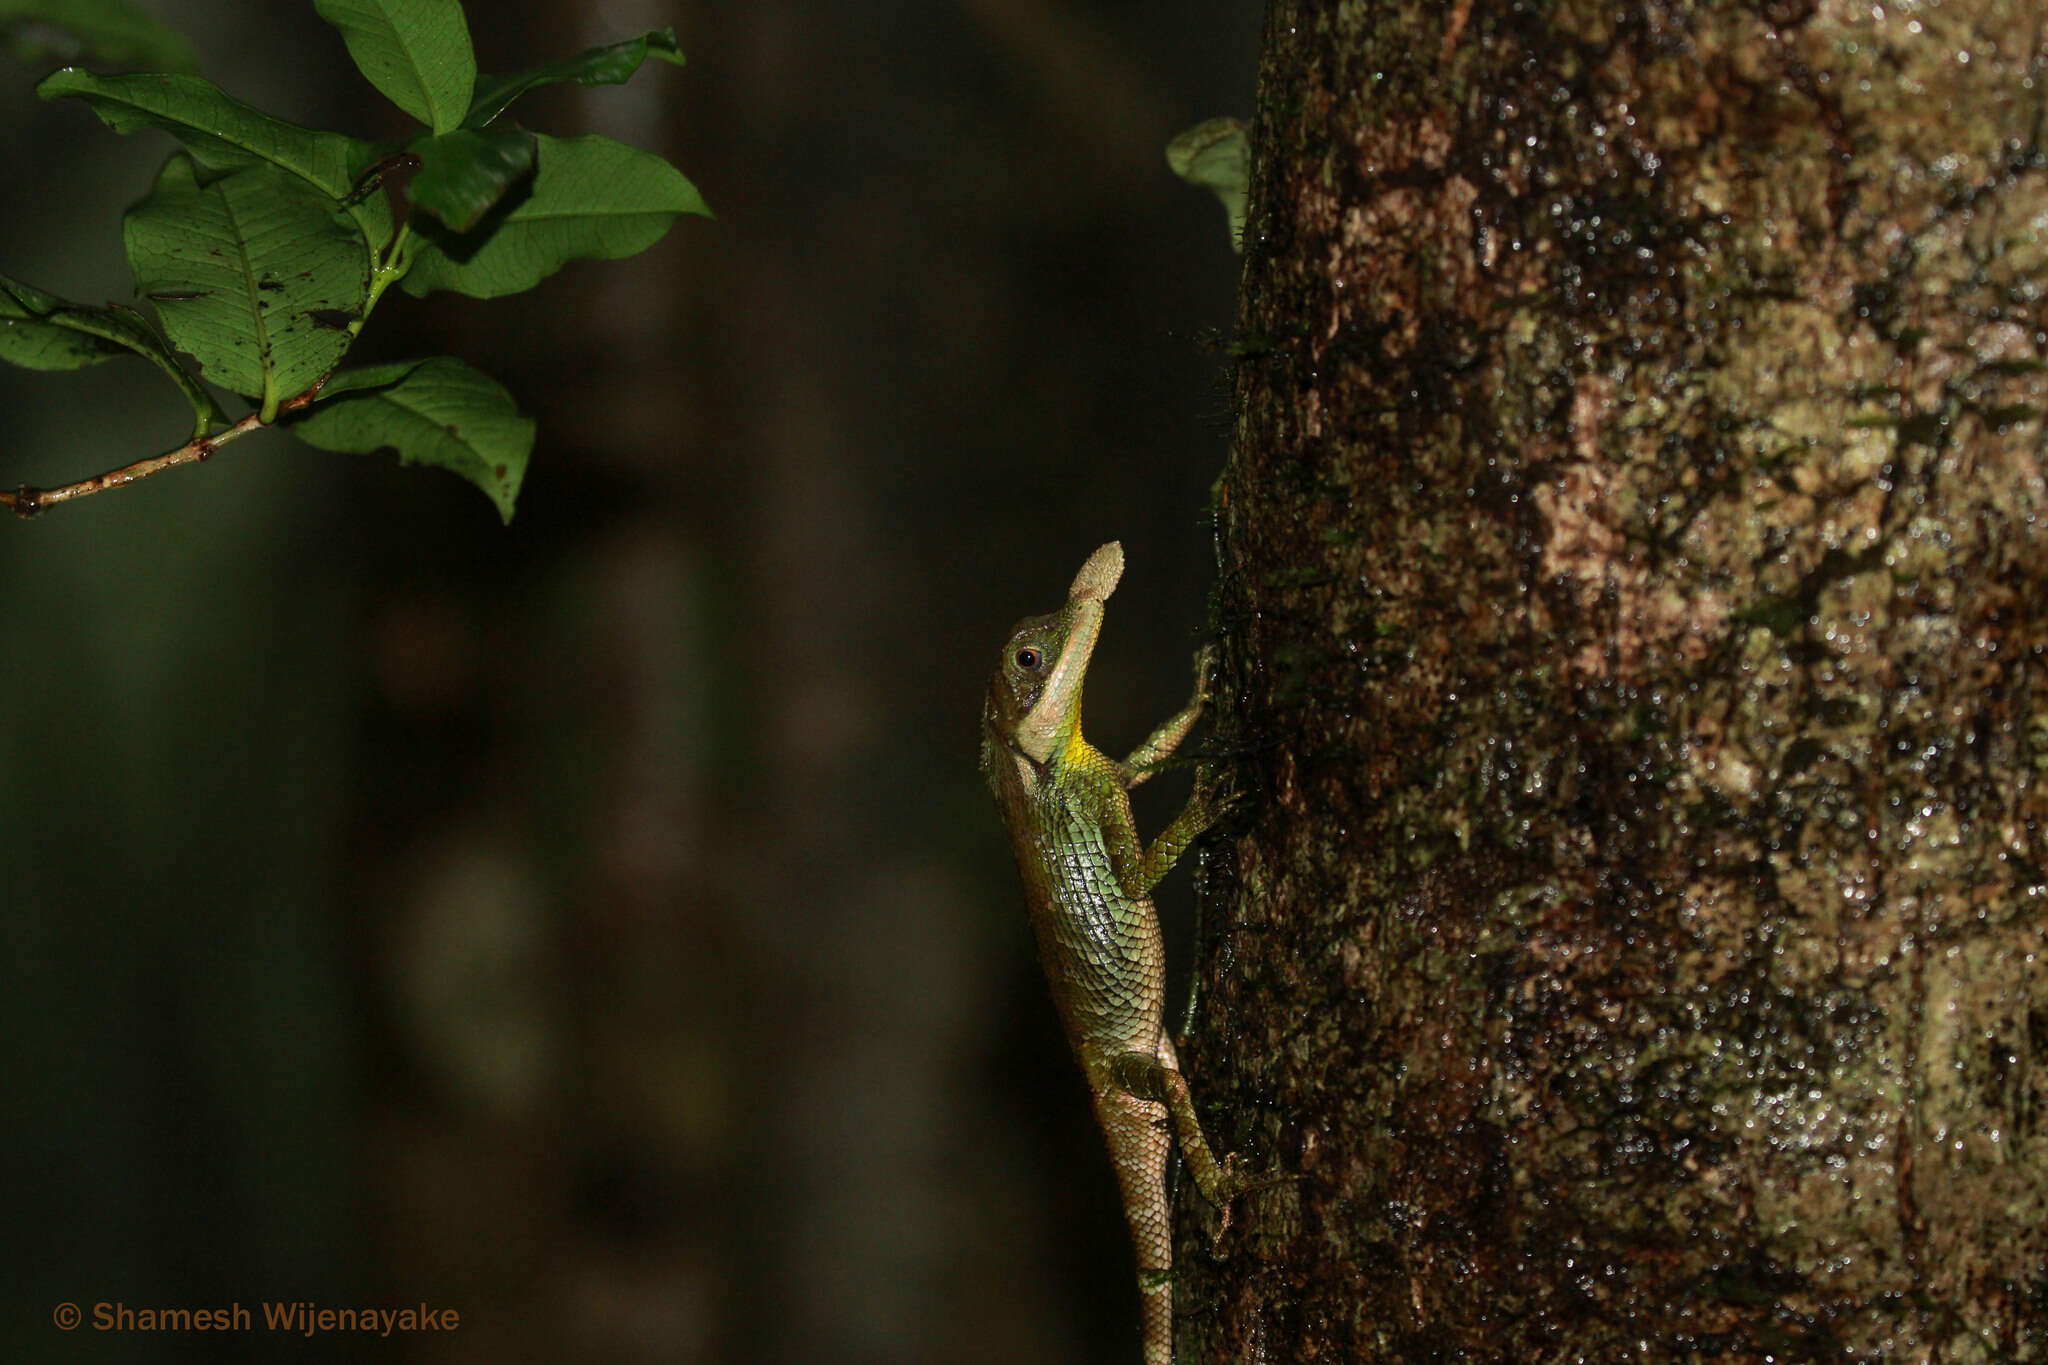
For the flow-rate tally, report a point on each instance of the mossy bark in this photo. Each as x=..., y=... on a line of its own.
x=1638, y=619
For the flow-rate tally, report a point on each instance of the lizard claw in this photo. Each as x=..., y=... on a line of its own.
x=1244, y=1182
x=1205, y=669
x=1215, y=792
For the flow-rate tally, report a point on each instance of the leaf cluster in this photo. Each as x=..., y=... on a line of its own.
x=263, y=245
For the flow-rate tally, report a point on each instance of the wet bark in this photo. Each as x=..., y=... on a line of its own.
x=1637, y=615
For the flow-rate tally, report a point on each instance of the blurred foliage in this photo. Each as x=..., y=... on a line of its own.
x=110, y=31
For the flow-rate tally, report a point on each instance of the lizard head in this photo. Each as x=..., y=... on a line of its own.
x=1034, y=696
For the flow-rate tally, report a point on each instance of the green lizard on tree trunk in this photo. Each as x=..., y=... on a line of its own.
x=1089, y=884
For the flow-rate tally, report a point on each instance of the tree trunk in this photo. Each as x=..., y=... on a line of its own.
x=1637, y=618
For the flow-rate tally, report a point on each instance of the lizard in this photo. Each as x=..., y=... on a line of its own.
x=1088, y=883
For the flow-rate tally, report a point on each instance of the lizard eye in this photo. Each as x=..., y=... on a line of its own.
x=1027, y=658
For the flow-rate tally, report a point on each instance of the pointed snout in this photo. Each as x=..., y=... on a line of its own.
x=1098, y=577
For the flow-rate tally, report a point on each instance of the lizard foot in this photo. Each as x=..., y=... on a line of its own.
x=1237, y=1181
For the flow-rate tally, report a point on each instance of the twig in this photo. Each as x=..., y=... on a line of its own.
x=27, y=501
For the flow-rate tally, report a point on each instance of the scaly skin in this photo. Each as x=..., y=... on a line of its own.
x=1089, y=885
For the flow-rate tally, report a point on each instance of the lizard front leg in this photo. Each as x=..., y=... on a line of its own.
x=1160, y=744
x=1206, y=805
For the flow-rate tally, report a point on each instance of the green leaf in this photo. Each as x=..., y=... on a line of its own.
x=222, y=132
x=464, y=174
x=436, y=412
x=110, y=31
x=590, y=197
x=226, y=135
x=1215, y=155
x=613, y=65
x=416, y=52
x=257, y=276
x=40, y=331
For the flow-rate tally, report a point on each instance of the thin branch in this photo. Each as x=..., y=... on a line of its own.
x=27, y=501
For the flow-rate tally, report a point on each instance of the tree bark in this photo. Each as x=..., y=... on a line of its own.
x=1637, y=617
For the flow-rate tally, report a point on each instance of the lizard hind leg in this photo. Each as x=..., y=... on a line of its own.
x=1155, y=1077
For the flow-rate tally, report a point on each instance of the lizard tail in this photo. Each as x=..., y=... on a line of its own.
x=1139, y=1143
x=1155, y=1313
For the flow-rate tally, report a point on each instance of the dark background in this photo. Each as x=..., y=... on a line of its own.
x=598, y=926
